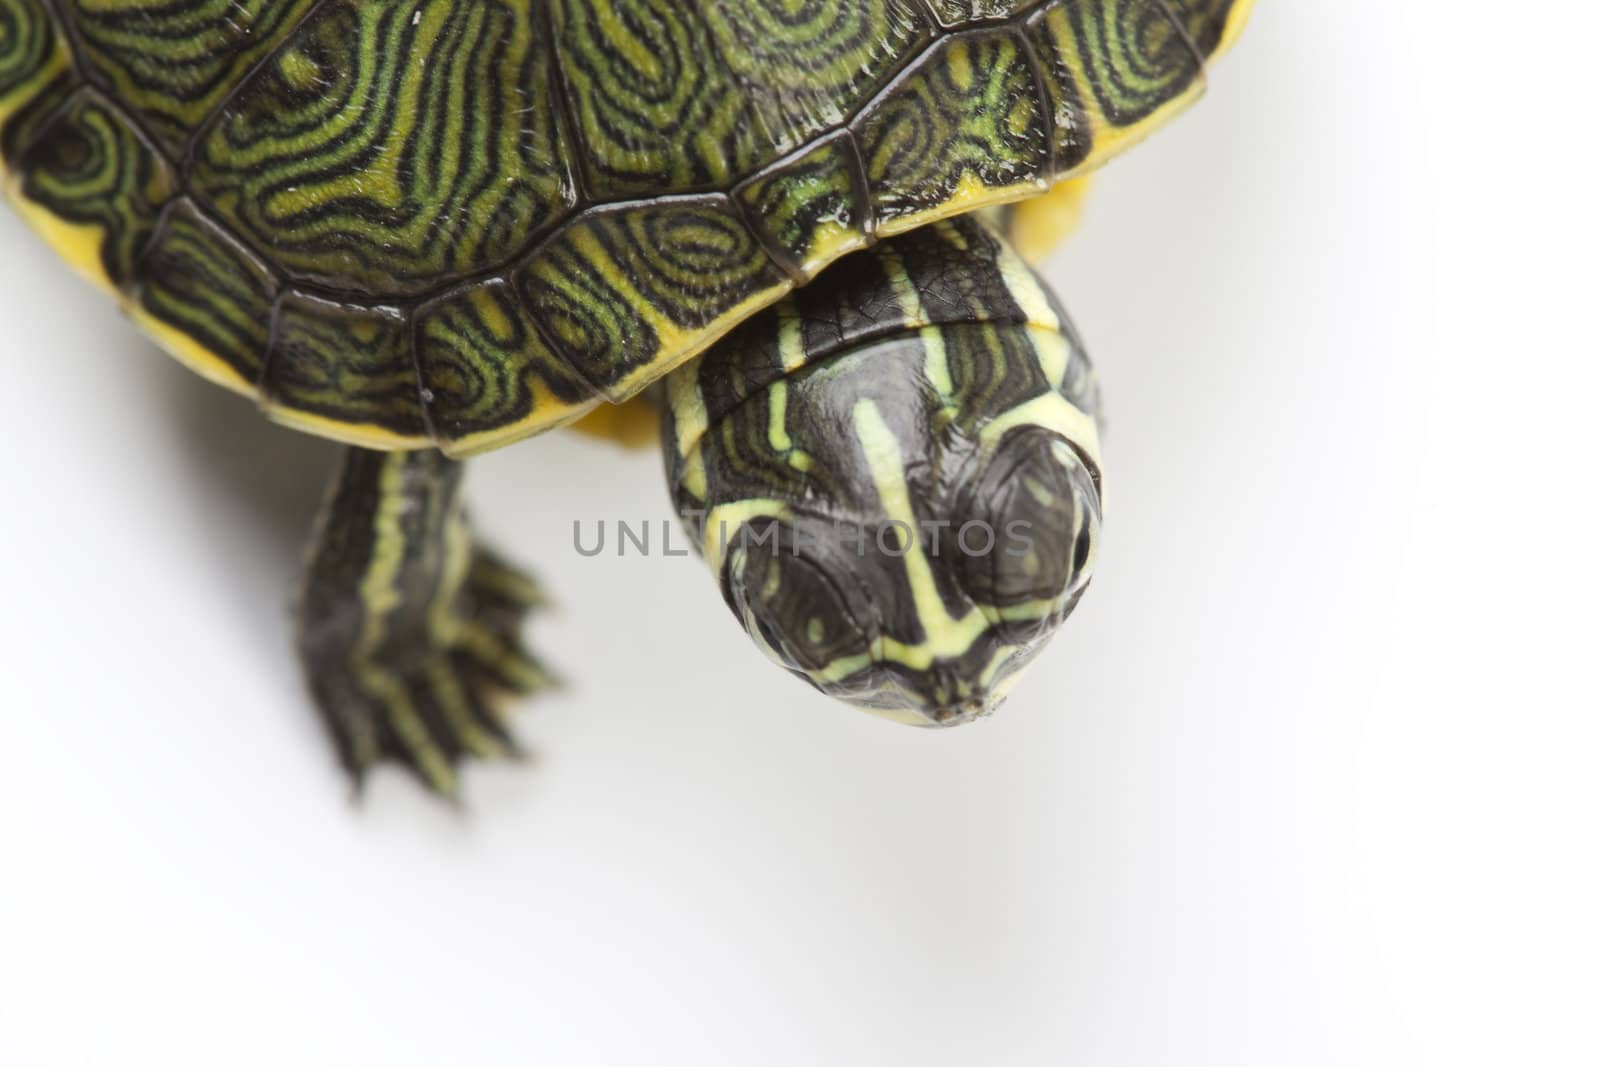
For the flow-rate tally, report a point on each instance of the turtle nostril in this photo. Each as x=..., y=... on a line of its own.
x=961, y=712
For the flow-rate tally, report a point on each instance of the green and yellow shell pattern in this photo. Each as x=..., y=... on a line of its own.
x=455, y=223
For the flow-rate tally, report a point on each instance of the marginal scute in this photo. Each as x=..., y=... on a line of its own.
x=656, y=112
x=389, y=146
x=808, y=66
x=629, y=292
x=348, y=363
x=1206, y=21
x=205, y=46
x=87, y=165
x=197, y=283
x=485, y=367
x=966, y=123
x=1132, y=55
x=810, y=206
x=1071, y=126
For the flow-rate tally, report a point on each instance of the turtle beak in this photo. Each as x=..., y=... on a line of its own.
x=950, y=700
x=962, y=713
x=938, y=698
x=934, y=718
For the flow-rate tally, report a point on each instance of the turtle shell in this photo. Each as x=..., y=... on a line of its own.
x=404, y=223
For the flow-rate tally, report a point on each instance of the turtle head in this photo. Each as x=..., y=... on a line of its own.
x=924, y=598
x=902, y=521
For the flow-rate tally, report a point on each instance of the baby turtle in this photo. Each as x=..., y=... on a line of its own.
x=428, y=228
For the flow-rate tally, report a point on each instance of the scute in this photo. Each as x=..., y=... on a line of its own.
x=968, y=123
x=808, y=67
x=390, y=147
x=91, y=168
x=1136, y=57
x=811, y=208
x=345, y=364
x=31, y=53
x=206, y=46
x=206, y=298
x=655, y=114
x=629, y=293
x=470, y=400
x=1212, y=25
x=404, y=222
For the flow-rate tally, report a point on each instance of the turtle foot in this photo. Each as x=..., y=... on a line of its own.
x=430, y=695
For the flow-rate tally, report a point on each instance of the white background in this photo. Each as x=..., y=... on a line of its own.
x=1309, y=779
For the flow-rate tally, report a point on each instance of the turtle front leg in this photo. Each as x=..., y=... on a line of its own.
x=409, y=631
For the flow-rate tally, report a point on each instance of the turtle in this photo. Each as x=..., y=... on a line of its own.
x=785, y=231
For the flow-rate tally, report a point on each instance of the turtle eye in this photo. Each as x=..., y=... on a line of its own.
x=1040, y=502
x=792, y=602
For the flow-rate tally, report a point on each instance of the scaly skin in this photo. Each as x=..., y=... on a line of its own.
x=409, y=631
x=837, y=451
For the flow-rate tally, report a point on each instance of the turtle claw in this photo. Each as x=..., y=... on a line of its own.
x=487, y=647
x=430, y=696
